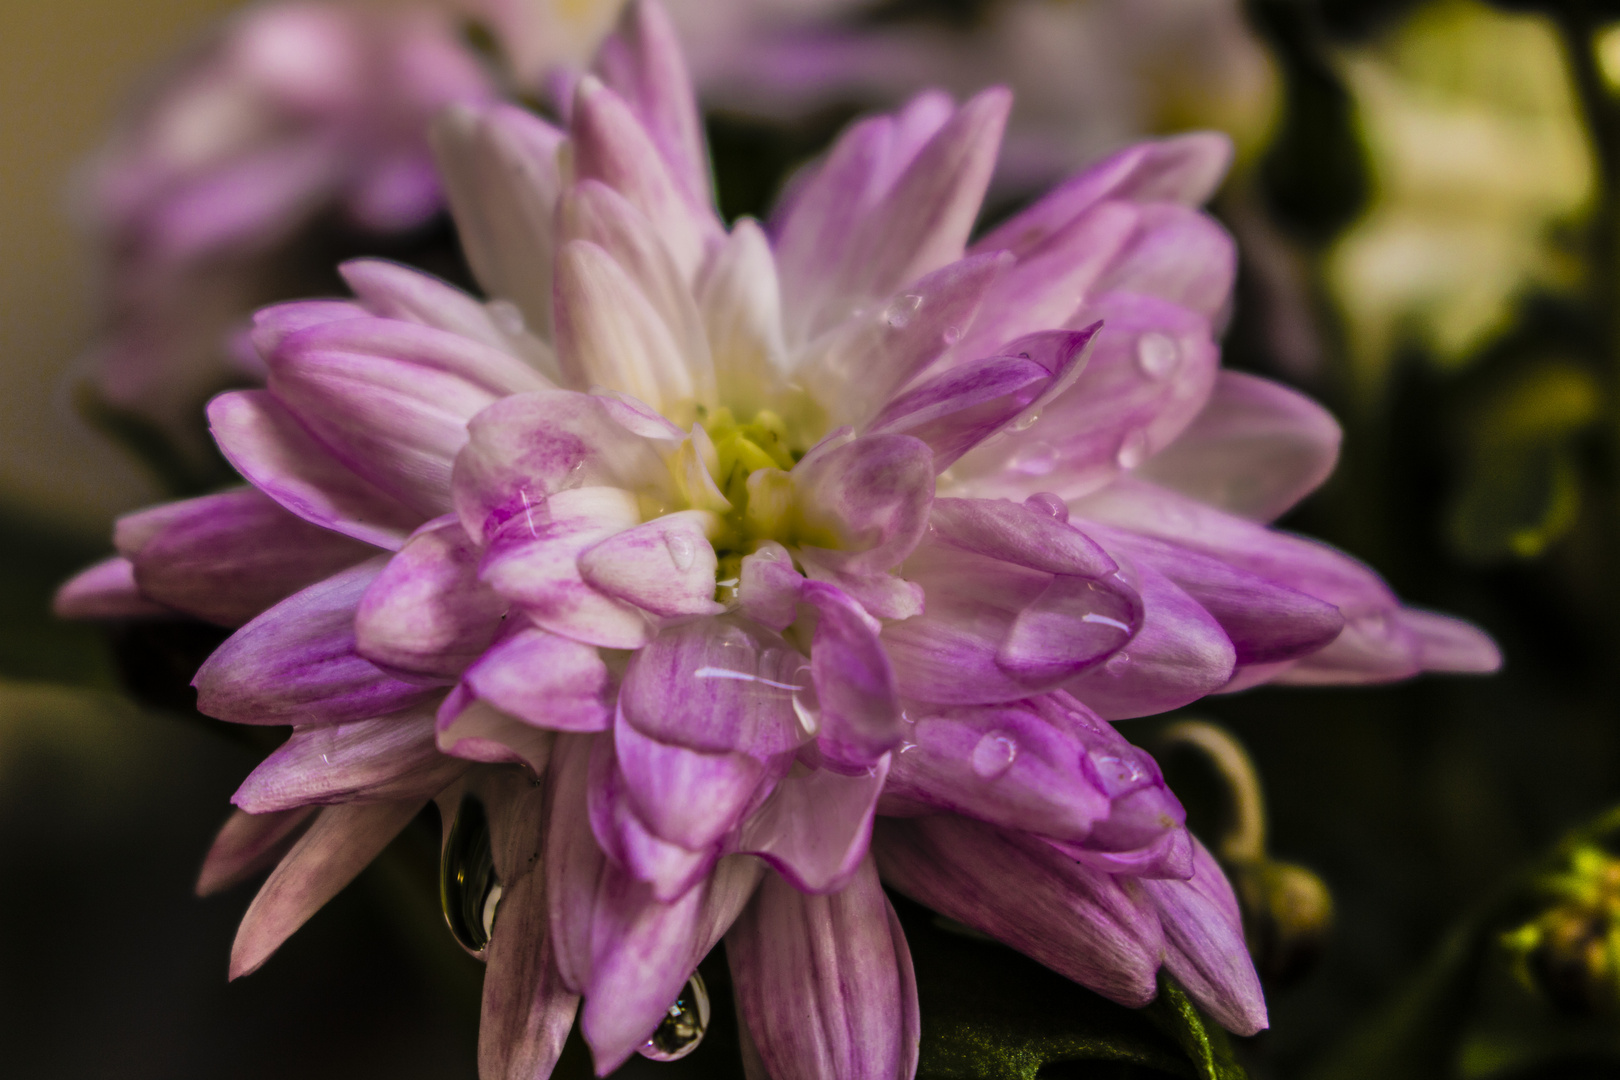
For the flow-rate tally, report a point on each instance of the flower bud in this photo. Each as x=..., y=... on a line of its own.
x=1571, y=951
x=1287, y=917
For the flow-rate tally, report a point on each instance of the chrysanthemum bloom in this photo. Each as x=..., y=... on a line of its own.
x=734, y=539
x=297, y=114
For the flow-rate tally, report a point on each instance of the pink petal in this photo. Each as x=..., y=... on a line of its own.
x=665, y=566
x=869, y=497
x=545, y=680
x=247, y=844
x=815, y=827
x=106, y=590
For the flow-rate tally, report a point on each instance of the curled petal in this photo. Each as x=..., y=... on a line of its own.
x=815, y=827
x=1018, y=534
x=427, y=613
x=858, y=709
x=768, y=587
x=475, y=730
x=548, y=681
x=688, y=797
x=665, y=566
x=824, y=983
x=336, y=847
x=1181, y=255
x=868, y=499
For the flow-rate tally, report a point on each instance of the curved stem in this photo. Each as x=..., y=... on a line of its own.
x=1245, y=839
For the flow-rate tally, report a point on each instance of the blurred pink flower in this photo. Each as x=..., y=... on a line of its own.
x=737, y=538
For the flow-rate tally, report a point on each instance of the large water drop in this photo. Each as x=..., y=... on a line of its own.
x=682, y=550
x=898, y=314
x=469, y=891
x=683, y=1025
x=994, y=755
x=1157, y=354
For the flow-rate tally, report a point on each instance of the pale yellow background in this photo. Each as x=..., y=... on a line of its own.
x=65, y=65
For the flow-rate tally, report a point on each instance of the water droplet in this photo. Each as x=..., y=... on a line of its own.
x=1037, y=459
x=1118, y=773
x=953, y=334
x=994, y=755
x=1045, y=502
x=507, y=316
x=683, y=1025
x=806, y=703
x=1024, y=422
x=469, y=891
x=682, y=550
x=1117, y=664
x=1133, y=449
x=898, y=314
x=1157, y=354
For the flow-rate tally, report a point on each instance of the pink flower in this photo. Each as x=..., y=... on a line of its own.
x=735, y=539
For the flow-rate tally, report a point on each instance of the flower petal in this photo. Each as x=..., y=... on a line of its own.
x=106, y=590
x=546, y=680
x=824, y=983
x=227, y=557
x=1204, y=949
x=1018, y=534
x=867, y=499
x=816, y=825
x=389, y=758
x=687, y=797
x=268, y=445
x=1077, y=921
x=336, y=847
x=1256, y=449
x=248, y=843
x=297, y=664
x=1180, y=255
x=665, y=566
x=475, y=730
x=858, y=709
x=741, y=304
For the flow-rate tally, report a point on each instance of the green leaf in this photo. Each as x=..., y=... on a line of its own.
x=1206, y=1045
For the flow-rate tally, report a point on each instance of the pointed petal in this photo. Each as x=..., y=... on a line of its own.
x=665, y=566
x=1204, y=949
x=386, y=759
x=1448, y=644
x=1077, y=921
x=546, y=680
x=741, y=305
x=534, y=562
x=337, y=846
x=1018, y=534
x=1185, y=169
x=869, y=499
x=821, y=981
x=227, y=557
x=268, y=445
x=475, y=730
x=247, y=844
x=106, y=590
x=1180, y=255
x=687, y=797
x=858, y=708
x=427, y=613
x=297, y=664
x=768, y=587
x=961, y=408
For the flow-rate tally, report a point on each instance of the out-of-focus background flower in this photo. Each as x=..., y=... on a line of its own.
x=1427, y=196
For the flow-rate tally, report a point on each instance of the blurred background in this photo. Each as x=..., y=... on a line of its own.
x=1427, y=200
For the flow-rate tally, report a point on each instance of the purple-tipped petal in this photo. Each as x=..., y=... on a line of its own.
x=390, y=758
x=267, y=444
x=500, y=173
x=665, y=566
x=824, y=984
x=545, y=680
x=106, y=590
x=961, y=408
x=687, y=797
x=227, y=557
x=867, y=499
x=642, y=62
x=529, y=446
x=1077, y=921
x=336, y=847
x=1181, y=255
x=1180, y=654
x=1184, y=169
x=1204, y=949
x=858, y=708
x=768, y=588
x=610, y=145
x=669, y=867
x=1266, y=621
x=1256, y=449
x=394, y=291
x=427, y=614
x=1006, y=765
x=1448, y=644
x=534, y=562
x=297, y=663
x=815, y=827
x=247, y=844
x=275, y=324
